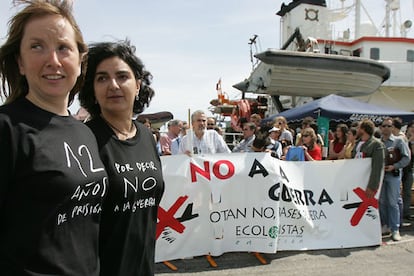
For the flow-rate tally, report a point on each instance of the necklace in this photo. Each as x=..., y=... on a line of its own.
x=126, y=134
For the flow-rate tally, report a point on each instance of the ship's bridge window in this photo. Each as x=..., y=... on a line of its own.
x=357, y=52
x=410, y=55
x=374, y=53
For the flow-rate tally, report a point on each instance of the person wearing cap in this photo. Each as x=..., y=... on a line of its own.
x=275, y=146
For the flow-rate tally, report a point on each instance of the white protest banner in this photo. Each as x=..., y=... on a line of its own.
x=253, y=202
x=215, y=204
x=323, y=205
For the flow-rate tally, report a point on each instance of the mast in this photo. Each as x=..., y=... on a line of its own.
x=357, y=18
x=387, y=17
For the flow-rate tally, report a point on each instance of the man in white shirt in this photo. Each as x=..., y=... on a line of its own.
x=202, y=140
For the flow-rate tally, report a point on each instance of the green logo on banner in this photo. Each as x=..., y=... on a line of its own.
x=273, y=231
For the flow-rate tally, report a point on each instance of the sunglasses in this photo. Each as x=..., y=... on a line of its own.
x=305, y=135
x=386, y=125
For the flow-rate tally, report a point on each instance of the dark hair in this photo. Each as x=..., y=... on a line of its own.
x=353, y=130
x=314, y=126
x=344, y=130
x=125, y=51
x=250, y=125
x=307, y=120
x=261, y=142
x=14, y=85
x=397, y=122
x=368, y=126
x=144, y=120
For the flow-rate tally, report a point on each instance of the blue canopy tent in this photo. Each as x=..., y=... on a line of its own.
x=339, y=108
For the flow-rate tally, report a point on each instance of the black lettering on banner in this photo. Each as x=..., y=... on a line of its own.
x=325, y=198
x=283, y=175
x=305, y=197
x=227, y=214
x=291, y=229
x=258, y=168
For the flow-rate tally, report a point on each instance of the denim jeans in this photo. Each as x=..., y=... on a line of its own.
x=388, y=201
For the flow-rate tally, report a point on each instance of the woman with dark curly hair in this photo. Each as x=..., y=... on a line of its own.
x=337, y=144
x=116, y=88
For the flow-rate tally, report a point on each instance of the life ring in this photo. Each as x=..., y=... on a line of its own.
x=312, y=15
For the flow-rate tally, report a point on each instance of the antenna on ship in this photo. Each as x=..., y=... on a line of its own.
x=252, y=41
x=391, y=6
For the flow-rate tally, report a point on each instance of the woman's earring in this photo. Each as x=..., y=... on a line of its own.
x=137, y=97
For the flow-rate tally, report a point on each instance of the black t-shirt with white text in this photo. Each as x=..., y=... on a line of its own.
x=52, y=184
x=129, y=216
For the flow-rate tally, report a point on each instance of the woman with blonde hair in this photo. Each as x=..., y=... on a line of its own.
x=310, y=146
x=286, y=135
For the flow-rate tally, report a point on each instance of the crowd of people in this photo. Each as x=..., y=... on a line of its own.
x=389, y=148
x=65, y=206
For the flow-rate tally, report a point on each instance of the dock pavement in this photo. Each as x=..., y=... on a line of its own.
x=389, y=258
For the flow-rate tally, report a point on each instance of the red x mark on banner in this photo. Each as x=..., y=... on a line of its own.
x=167, y=219
x=366, y=202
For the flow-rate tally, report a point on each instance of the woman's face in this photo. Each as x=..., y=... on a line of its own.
x=115, y=86
x=350, y=136
x=280, y=124
x=274, y=135
x=339, y=133
x=49, y=57
x=306, y=138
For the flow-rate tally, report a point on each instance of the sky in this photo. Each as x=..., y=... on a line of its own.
x=188, y=45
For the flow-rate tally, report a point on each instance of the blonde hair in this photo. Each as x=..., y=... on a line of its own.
x=311, y=132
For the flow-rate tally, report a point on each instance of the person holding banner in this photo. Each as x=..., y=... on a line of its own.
x=310, y=146
x=369, y=146
x=202, y=140
x=117, y=86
